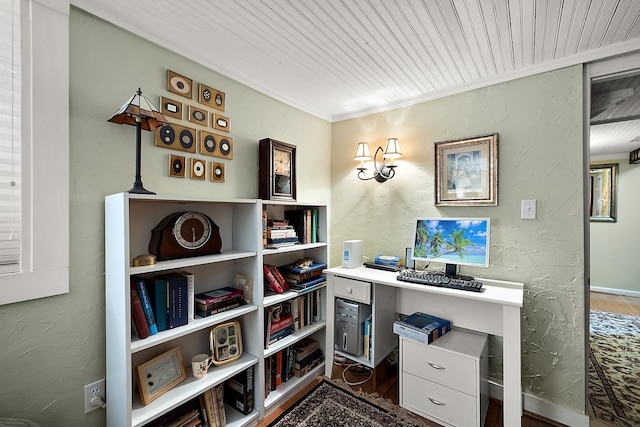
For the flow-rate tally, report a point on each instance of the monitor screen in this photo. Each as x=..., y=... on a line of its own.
x=453, y=241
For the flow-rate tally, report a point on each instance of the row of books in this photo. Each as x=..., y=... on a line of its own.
x=305, y=222
x=421, y=327
x=293, y=361
x=297, y=276
x=161, y=302
x=168, y=301
x=284, y=319
x=205, y=410
x=297, y=226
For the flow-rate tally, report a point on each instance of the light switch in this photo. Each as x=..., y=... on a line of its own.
x=528, y=209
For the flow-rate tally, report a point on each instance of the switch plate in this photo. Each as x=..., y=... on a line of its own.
x=528, y=210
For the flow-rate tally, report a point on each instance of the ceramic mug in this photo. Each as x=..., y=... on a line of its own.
x=200, y=364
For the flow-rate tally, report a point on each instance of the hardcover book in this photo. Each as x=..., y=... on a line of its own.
x=217, y=295
x=421, y=327
x=146, y=304
x=157, y=290
x=139, y=321
x=238, y=391
x=178, y=300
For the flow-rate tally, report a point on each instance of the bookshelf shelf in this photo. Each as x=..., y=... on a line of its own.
x=129, y=219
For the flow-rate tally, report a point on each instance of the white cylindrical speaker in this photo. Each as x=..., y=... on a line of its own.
x=352, y=254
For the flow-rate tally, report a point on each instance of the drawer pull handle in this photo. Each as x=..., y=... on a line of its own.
x=349, y=290
x=436, y=402
x=434, y=366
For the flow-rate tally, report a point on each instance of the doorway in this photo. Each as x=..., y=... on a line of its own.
x=613, y=292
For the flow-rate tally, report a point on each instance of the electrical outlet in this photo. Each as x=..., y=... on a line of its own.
x=92, y=390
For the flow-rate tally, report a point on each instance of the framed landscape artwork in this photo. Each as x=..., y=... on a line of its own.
x=466, y=171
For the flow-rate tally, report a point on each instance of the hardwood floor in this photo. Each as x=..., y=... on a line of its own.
x=615, y=303
x=387, y=382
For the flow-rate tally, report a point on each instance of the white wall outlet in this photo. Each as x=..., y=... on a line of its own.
x=95, y=389
x=528, y=210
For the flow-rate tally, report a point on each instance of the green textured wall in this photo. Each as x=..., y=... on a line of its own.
x=539, y=124
x=52, y=347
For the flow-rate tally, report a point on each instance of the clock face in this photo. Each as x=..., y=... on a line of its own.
x=192, y=230
x=281, y=162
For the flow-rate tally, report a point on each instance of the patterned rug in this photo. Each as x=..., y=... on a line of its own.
x=330, y=403
x=614, y=368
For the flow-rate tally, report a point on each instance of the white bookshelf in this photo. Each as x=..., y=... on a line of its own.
x=129, y=219
x=319, y=252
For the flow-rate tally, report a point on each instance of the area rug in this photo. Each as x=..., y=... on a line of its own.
x=332, y=403
x=614, y=368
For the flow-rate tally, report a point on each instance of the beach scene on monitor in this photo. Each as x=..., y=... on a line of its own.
x=455, y=241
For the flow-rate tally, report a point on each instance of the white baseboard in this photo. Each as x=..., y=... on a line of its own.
x=543, y=408
x=624, y=292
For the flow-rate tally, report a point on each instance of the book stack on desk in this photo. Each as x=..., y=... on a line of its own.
x=421, y=327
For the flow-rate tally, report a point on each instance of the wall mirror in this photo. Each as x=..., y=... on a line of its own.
x=603, y=189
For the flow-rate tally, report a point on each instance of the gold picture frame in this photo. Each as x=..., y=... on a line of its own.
x=466, y=171
x=160, y=374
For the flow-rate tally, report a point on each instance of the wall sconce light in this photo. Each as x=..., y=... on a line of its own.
x=387, y=169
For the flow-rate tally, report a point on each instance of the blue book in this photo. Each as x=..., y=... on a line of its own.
x=177, y=300
x=157, y=289
x=422, y=327
x=146, y=305
x=299, y=286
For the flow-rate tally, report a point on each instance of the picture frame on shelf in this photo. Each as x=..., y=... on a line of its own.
x=466, y=171
x=160, y=374
x=277, y=170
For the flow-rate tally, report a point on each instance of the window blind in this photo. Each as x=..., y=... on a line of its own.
x=10, y=137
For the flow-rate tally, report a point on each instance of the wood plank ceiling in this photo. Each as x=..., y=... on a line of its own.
x=344, y=58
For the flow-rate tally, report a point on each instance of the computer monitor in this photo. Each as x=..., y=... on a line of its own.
x=452, y=241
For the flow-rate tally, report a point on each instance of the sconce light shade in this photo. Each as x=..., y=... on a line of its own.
x=362, y=153
x=385, y=171
x=138, y=111
x=392, y=151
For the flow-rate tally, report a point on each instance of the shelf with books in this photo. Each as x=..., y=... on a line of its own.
x=295, y=337
x=286, y=390
x=195, y=325
x=311, y=247
x=129, y=220
x=188, y=389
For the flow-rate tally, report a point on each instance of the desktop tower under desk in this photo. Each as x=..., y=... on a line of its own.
x=495, y=311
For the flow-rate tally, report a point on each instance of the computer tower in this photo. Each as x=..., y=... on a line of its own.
x=349, y=326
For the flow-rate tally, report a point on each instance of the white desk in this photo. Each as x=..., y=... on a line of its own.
x=495, y=311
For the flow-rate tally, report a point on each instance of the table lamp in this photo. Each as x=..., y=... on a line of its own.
x=139, y=111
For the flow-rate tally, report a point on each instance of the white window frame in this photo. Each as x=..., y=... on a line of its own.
x=45, y=154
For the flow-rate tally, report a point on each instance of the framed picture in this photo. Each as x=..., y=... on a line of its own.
x=160, y=374
x=179, y=84
x=277, y=170
x=466, y=171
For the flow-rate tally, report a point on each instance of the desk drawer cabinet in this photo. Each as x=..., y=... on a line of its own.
x=446, y=381
x=355, y=290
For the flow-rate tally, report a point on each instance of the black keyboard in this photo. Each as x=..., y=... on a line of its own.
x=432, y=278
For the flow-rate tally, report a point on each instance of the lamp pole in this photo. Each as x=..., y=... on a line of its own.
x=138, y=188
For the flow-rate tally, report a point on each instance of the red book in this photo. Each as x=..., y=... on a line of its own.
x=272, y=282
x=137, y=313
x=277, y=325
x=278, y=368
x=279, y=278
